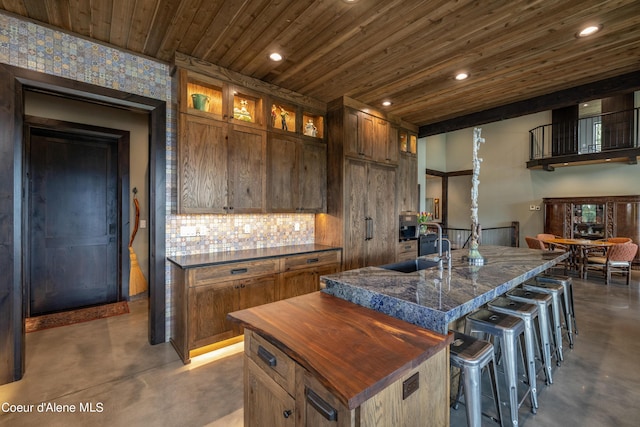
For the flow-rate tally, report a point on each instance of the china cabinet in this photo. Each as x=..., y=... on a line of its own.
x=593, y=217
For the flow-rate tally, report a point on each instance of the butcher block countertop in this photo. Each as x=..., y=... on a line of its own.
x=355, y=352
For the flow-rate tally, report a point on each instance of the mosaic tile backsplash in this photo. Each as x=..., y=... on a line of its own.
x=28, y=45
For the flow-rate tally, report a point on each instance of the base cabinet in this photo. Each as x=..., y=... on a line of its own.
x=204, y=295
x=407, y=250
x=281, y=392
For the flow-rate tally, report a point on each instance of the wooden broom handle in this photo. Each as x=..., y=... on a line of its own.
x=137, y=221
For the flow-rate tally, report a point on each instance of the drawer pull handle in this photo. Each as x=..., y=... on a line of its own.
x=267, y=357
x=312, y=260
x=238, y=270
x=321, y=406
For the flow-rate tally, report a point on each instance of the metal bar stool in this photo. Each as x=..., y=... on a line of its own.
x=507, y=330
x=543, y=301
x=557, y=292
x=471, y=356
x=567, y=284
x=527, y=312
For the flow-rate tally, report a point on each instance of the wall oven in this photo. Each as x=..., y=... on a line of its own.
x=408, y=227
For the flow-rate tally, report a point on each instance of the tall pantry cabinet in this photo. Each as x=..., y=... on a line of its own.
x=362, y=185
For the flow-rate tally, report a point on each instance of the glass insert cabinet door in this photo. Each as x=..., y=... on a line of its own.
x=588, y=221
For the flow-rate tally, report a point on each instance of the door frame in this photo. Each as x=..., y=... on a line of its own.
x=121, y=140
x=13, y=81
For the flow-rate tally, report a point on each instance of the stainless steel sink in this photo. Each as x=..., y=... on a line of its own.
x=411, y=265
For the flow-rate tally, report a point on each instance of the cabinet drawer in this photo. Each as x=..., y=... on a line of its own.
x=311, y=260
x=409, y=246
x=273, y=361
x=233, y=271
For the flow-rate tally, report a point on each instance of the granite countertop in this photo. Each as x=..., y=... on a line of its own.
x=215, y=258
x=433, y=298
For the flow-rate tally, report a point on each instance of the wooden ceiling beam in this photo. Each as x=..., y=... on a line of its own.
x=625, y=83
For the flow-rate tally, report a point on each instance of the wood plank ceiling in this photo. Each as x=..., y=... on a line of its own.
x=406, y=51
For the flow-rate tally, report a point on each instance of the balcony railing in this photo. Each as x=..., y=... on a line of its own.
x=604, y=133
x=502, y=236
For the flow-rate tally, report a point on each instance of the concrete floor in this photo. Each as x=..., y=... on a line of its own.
x=107, y=366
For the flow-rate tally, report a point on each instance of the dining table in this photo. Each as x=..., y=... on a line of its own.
x=577, y=249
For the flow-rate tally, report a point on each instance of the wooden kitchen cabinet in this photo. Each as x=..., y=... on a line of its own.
x=363, y=184
x=296, y=176
x=222, y=145
x=221, y=167
x=301, y=273
x=407, y=250
x=362, y=376
x=205, y=293
x=369, y=137
x=408, y=142
x=408, y=183
x=202, y=165
x=211, y=303
x=370, y=228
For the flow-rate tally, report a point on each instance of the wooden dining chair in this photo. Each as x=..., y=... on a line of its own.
x=551, y=246
x=619, y=240
x=534, y=243
x=618, y=259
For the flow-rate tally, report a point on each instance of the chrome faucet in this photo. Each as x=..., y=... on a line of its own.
x=447, y=256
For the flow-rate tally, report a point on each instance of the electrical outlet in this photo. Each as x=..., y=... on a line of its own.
x=532, y=207
x=296, y=226
x=143, y=223
x=247, y=229
x=188, y=231
x=537, y=207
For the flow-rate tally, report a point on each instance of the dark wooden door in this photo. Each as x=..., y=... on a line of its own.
x=73, y=222
x=564, y=131
x=617, y=122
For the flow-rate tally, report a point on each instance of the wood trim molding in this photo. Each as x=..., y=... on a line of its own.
x=14, y=81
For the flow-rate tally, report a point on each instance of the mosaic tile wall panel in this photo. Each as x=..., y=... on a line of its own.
x=28, y=45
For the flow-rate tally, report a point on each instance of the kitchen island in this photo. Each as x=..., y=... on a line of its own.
x=316, y=360
x=433, y=298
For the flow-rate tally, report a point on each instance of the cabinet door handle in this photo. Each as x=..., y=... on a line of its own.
x=267, y=357
x=321, y=406
x=368, y=228
x=287, y=413
x=238, y=270
x=312, y=260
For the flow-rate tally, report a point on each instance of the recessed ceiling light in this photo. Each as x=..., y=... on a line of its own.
x=607, y=160
x=350, y=1
x=565, y=164
x=386, y=103
x=591, y=29
x=461, y=76
x=585, y=105
x=275, y=56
